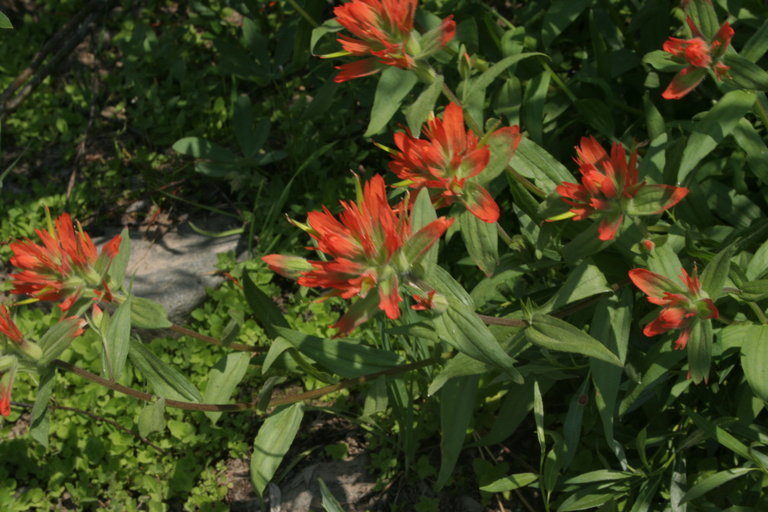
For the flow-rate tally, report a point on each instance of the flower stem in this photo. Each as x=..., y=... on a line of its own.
x=215, y=341
x=304, y=14
x=245, y=406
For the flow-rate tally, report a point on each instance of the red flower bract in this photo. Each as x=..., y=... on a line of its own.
x=682, y=305
x=370, y=248
x=382, y=29
x=608, y=186
x=63, y=267
x=699, y=55
x=448, y=159
x=7, y=327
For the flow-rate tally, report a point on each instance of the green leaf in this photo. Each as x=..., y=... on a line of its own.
x=754, y=291
x=459, y=366
x=344, y=358
x=152, y=418
x=591, y=497
x=710, y=131
x=262, y=307
x=422, y=214
x=250, y=137
x=329, y=501
x=757, y=45
x=39, y=421
x=120, y=262
x=514, y=409
x=699, y=350
x=511, y=482
x=533, y=161
x=148, y=314
x=442, y=281
x=585, y=280
x=748, y=139
x=650, y=200
x=720, y=435
x=745, y=73
x=600, y=475
x=165, y=380
x=754, y=359
x=481, y=83
x=57, y=339
x=534, y=99
x=611, y=324
x=662, y=61
x=223, y=378
x=272, y=443
x=463, y=330
x=713, y=481
x=328, y=27
x=394, y=85
x=715, y=274
x=555, y=334
x=597, y=114
x=457, y=405
x=4, y=21
x=758, y=265
x=560, y=15
x=481, y=240
x=201, y=148
x=117, y=340
x=419, y=110
x=703, y=14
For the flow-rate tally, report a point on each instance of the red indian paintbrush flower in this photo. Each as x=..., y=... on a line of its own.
x=449, y=159
x=65, y=267
x=683, y=306
x=383, y=29
x=370, y=249
x=609, y=188
x=699, y=56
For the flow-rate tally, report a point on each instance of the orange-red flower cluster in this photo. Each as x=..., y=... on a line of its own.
x=683, y=306
x=608, y=186
x=64, y=267
x=700, y=56
x=448, y=161
x=383, y=30
x=370, y=248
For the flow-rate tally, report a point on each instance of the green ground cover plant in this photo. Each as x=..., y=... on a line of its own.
x=543, y=284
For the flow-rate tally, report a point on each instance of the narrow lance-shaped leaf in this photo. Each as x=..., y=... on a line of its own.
x=716, y=124
x=714, y=481
x=457, y=405
x=272, y=443
x=394, y=85
x=344, y=358
x=148, y=314
x=555, y=334
x=263, y=308
x=754, y=359
x=462, y=328
x=481, y=240
x=423, y=214
x=165, y=380
x=117, y=339
x=715, y=275
x=419, y=110
x=40, y=422
x=223, y=378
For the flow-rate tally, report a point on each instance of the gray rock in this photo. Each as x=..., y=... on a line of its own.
x=175, y=267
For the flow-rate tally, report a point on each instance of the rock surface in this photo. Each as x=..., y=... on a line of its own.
x=175, y=266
